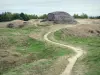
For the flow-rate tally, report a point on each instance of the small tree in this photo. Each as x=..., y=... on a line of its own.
x=43, y=16
x=84, y=16
x=76, y=16
x=7, y=16
x=16, y=16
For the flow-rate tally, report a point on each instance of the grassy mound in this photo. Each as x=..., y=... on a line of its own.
x=92, y=46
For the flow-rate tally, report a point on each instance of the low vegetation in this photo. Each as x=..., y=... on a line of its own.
x=92, y=47
x=8, y=16
x=20, y=54
x=82, y=16
x=85, y=16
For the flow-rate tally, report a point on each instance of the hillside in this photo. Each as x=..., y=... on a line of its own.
x=86, y=36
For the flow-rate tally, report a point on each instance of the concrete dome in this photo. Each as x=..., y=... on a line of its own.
x=61, y=18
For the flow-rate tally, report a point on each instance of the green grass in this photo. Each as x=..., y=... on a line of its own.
x=92, y=44
x=39, y=50
x=30, y=68
x=25, y=44
x=17, y=31
x=17, y=40
x=42, y=50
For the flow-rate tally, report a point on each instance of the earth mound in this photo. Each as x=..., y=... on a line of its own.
x=82, y=31
x=16, y=24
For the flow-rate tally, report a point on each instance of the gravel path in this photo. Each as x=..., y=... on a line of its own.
x=72, y=60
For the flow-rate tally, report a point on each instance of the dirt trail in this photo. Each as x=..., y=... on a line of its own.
x=72, y=60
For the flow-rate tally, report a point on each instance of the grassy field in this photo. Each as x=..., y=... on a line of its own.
x=92, y=45
x=20, y=54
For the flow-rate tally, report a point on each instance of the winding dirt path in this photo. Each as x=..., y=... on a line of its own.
x=72, y=60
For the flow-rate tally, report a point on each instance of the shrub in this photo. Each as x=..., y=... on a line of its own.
x=10, y=25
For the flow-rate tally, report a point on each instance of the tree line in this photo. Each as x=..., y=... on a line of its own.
x=85, y=16
x=8, y=16
x=82, y=16
x=95, y=17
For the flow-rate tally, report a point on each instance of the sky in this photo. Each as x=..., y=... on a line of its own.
x=39, y=7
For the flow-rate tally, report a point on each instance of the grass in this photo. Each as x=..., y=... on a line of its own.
x=43, y=51
x=18, y=31
x=26, y=45
x=92, y=44
x=30, y=68
x=17, y=40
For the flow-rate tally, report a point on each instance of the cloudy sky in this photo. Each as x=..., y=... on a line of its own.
x=90, y=7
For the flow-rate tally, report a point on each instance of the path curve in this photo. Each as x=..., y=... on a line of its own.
x=72, y=60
